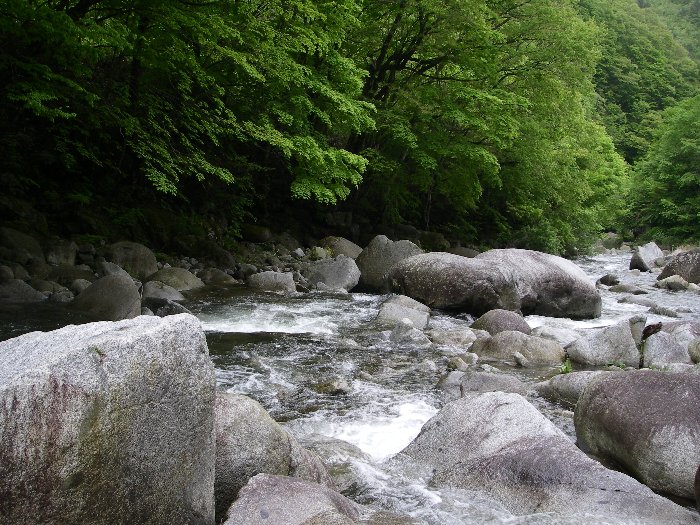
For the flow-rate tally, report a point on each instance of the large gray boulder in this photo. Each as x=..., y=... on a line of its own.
x=177, y=278
x=644, y=257
x=457, y=383
x=399, y=307
x=610, y=345
x=648, y=422
x=250, y=442
x=338, y=273
x=504, y=346
x=567, y=388
x=280, y=500
x=215, y=276
x=108, y=423
x=341, y=246
x=160, y=291
x=495, y=321
x=519, y=280
x=17, y=291
x=111, y=298
x=661, y=349
x=135, y=258
x=377, y=259
x=20, y=247
x=272, y=282
x=686, y=264
x=502, y=447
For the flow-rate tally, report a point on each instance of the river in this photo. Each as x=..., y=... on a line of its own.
x=322, y=367
x=285, y=350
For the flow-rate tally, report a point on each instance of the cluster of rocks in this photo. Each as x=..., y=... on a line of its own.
x=121, y=423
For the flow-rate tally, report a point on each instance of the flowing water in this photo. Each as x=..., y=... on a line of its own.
x=321, y=366
x=284, y=351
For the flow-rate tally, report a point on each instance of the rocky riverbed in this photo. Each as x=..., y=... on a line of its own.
x=412, y=413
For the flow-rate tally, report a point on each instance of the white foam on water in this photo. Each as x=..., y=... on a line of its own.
x=270, y=318
x=382, y=434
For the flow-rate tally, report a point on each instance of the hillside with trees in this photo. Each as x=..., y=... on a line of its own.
x=498, y=123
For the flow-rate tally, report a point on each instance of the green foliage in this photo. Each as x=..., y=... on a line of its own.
x=665, y=194
x=642, y=71
x=566, y=367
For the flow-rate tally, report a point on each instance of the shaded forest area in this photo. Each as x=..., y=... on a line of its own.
x=525, y=123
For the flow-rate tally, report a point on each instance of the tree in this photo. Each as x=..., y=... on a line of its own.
x=666, y=190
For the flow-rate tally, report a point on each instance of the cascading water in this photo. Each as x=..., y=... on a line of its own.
x=320, y=364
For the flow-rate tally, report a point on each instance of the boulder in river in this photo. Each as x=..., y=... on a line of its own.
x=674, y=283
x=567, y=388
x=17, y=291
x=644, y=257
x=504, y=346
x=378, y=258
x=458, y=383
x=661, y=349
x=281, y=500
x=108, y=423
x=177, y=278
x=272, y=282
x=648, y=422
x=250, y=442
x=519, y=280
x=19, y=247
x=685, y=264
x=338, y=273
x=495, y=321
x=215, y=276
x=135, y=258
x=159, y=290
x=341, y=246
x=398, y=307
x=614, y=344
x=502, y=447
x=111, y=298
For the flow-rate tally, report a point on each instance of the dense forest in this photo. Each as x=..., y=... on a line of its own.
x=528, y=123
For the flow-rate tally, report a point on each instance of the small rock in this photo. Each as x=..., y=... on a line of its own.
x=628, y=288
x=498, y=320
x=694, y=350
x=662, y=310
x=675, y=283
x=609, y=279
x=405, y=333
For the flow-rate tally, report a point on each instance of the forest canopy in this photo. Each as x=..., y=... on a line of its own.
x=497, y=123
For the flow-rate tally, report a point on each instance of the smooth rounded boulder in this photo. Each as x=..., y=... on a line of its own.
x=338, y=273
x=250, y=442
x=685, y=264
x=111, y=298
x=135, y=258
x=17, y=291
x=281, y=500
x=178, y=278
x=272, y=282
x=341, y=246
x=648, y=422
x=567, y=388
x=399, y=307
x=518, y=280
x=504, y=346
x=495, y=321
x=501, y=447
x=108, y=423
x=378, y=258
